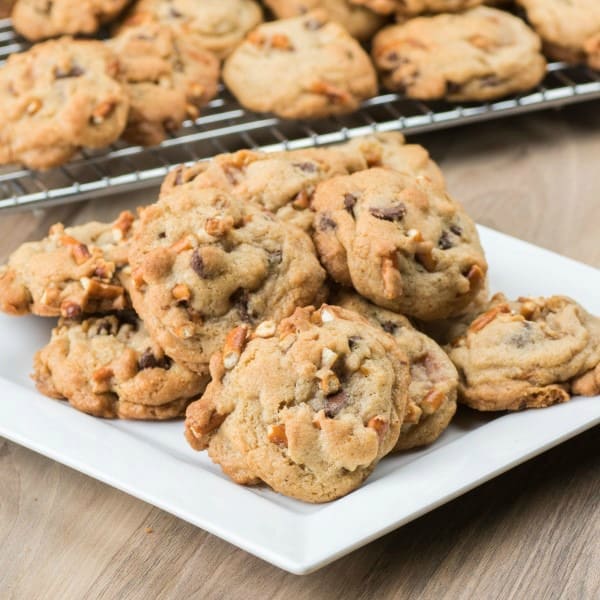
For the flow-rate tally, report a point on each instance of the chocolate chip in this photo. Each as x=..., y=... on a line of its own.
x=275, y=257
x=197, y=264
x=456, y=230
x=335, y=403
x=445, y=242
x=353, y=341
x=74, y=71
x=307, y=167
x=72, y=310
x=389, y=213
x=162, y=235
x=389, y=326
x=326, y=222
x=313, y=24
x=240, y=300
x=148, y=361
x=452, y=87
x=349, y=202
x=103, y=327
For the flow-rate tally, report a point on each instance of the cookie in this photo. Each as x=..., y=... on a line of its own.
x=404, y=8
x=74, y=271
x=527, y=354
x=400, y=241
x=302, y=67
x=481, y=54
x=390, y=150
x=281, y=182
x=109, y=366
x=57, y=97
x=309, y=408
x=168, y=75
x=218, y=25
x=570, y=30
x=433, y=378
x=204, y=262
x=284, y=182
x=360, y=22
x=40, y=19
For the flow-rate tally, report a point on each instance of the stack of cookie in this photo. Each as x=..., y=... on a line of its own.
x=205, y=305
x=162, y=63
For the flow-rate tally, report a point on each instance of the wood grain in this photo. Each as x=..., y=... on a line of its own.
x=532, y=533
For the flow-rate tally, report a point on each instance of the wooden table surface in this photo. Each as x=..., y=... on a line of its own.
x=532, y=533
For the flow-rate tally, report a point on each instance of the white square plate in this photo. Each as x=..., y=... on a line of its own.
x=153, y=462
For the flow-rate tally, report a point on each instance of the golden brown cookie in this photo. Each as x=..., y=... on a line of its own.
x=478, y=55
x=303, y=67
x=400, y=241
x=433, y=378
x=309, y=407
x=204, y=262
x=169, y=76
x=527, y=354
x=57, y=97
x=73, y=271
x=109, y=366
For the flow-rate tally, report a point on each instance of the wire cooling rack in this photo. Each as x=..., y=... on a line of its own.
x=225, y=126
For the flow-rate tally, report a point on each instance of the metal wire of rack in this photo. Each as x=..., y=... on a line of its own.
x=225, y=126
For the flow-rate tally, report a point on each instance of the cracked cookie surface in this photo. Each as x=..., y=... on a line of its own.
x=57, y=97
x=309, y=407
x=73, y=271
x=528, y=354
x=168, y=76
x=39, y=19
x=400, y=241
x=433, y=378
x=218, y=25
x=481, y=54
x=303, y=67
x=109, y=367
x=203, y=262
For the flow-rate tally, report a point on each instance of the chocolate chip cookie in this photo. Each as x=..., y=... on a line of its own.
x=169, y=76
x=570, y=30
x=478, y=55
x=304, y=67
x=57, y=97
x=73, y=271
x=400, y=241
x=204, y=262
x=40, y=19
x=284, y=182
x=360, y=22
x=433, y=378
x=218, y=25
x=109, y=367
x=528, y=354
x=309, y=407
